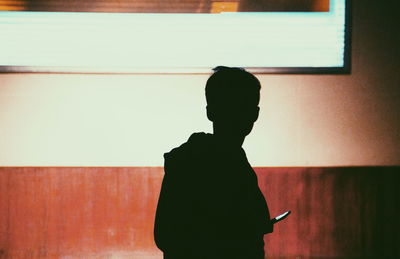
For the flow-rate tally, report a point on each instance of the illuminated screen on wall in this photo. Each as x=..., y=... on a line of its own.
x=189, y=36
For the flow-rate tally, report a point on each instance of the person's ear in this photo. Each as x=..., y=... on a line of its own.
x=257, y=112
x=210, y=114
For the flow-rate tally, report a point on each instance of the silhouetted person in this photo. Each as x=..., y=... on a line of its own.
x=210, y=205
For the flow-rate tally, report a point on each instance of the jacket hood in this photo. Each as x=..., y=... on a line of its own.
x=198, y=144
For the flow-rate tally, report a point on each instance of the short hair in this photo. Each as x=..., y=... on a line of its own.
x=232, y=82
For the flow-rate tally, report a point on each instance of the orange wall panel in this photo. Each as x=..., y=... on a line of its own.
x=97, y=212
x=73, y=211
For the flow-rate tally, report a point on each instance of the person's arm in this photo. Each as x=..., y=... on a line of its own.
x=171, y=215
x=162, y=219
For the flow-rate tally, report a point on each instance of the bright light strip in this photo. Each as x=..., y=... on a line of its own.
x=123, y=42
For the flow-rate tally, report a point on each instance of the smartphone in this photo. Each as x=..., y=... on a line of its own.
x=280, y=217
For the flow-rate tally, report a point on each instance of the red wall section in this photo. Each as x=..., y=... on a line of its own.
x=342, y=212
x=48, y=212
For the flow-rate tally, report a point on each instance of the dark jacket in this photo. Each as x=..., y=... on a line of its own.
x=209, y=200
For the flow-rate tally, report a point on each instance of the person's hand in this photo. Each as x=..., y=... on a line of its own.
x=269, y=227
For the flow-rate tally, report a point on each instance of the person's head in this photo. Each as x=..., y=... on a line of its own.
x=232, y=96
